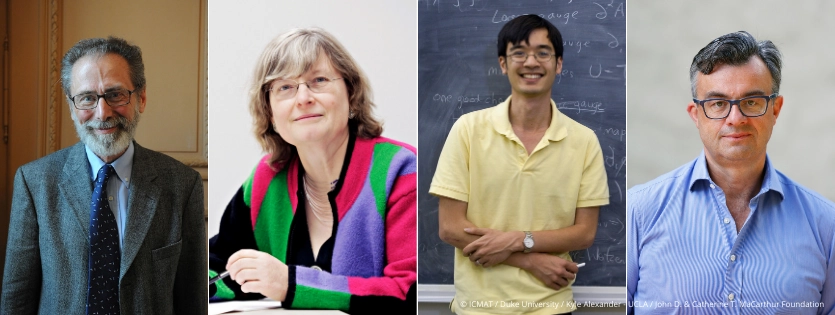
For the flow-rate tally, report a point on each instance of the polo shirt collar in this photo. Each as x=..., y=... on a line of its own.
x=122, y=165
x=771, y=181
x=556, y=129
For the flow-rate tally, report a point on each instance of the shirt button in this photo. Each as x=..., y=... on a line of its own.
x=733, y=257
x=110, y=198
x=731, y=297
x=727, y=220
x=712, y=187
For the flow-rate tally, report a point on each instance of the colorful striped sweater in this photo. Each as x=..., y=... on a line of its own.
x=374, y=258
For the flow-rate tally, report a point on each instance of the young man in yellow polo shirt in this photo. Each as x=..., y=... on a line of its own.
x=520, y=185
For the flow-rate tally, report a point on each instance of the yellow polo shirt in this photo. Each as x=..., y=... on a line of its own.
x=486, y=165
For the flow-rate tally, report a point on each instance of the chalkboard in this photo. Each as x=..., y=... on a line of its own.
x=458, y=72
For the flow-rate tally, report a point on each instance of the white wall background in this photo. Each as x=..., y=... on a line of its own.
x=663, y=38
x=380, y=35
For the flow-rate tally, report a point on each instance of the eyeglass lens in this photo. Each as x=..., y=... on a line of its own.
x=113, y=98
x=752, y=106
x=520, y=56
x=285, y=89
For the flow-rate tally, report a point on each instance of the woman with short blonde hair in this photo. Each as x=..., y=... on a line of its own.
x=289, y=56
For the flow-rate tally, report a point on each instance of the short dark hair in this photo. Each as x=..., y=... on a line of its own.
x=520, y=29
x=100, y=47
x=737, y=49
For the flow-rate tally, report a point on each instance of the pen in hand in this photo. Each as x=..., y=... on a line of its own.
x=218, y=277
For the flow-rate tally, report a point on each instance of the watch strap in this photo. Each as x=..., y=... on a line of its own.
x=528, y=236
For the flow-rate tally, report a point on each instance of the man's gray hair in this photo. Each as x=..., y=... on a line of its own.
x=736, y=49
x=101, y=47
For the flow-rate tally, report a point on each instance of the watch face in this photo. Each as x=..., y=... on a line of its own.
x=528, y=242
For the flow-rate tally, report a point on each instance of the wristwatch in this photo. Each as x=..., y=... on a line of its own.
x=528, y=241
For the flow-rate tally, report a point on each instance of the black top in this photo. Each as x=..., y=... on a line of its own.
x=300, y=240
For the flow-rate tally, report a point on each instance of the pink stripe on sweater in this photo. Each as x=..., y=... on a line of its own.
x=404, y=184
x=293, y=184
x=260, y=184
x=394, y=284
x=360, y=162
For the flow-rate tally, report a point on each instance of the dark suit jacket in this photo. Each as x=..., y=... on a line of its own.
x=163, y=268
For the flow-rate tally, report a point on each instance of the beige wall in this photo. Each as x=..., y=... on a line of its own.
x=172, y=38
x=663, y=38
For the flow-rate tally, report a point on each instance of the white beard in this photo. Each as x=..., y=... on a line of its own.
x=107, y=144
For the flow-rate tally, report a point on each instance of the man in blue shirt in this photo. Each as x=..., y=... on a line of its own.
x=728, y=233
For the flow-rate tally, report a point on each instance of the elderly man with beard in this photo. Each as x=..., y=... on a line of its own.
x=105, y=226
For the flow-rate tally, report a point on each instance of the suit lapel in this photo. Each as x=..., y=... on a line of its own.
x=77, y=187
x=142, y=205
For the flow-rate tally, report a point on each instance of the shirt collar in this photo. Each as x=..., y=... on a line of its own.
x=556, y=129
x=770, y=180
x=122, y=165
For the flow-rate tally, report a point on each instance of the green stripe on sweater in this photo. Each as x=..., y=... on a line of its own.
x=275, y=214
x=248, y=188
x=307, y=297
x=383, y=153
x=223, y=291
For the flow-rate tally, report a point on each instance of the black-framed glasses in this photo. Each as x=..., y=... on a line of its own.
x=286, y=89
x=752, y=106
x=521, y=56
x=114, y=98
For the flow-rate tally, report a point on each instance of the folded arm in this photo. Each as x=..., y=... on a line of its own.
x=575, y=237
x=502, y=247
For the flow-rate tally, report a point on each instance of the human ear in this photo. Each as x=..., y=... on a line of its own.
x=778, y=106
x=693, y=111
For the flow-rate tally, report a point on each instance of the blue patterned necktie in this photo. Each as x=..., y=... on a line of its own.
x=105, y=256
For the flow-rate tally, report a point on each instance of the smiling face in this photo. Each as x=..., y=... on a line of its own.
x=106, y=130
x=531, y=78
x=736, y=138
x=312, y=117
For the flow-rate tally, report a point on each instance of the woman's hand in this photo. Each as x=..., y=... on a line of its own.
x=258, y=272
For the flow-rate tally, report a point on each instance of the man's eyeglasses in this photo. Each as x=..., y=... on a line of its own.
x=286, y=89
x=521, y=56
x=752, y=106
x=114, y=98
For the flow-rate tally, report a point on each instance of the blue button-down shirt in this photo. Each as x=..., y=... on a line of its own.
x=118, y=186
x=684, y=255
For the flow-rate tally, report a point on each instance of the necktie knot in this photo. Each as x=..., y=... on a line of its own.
x=104, y=174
